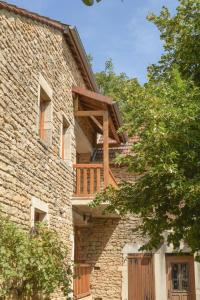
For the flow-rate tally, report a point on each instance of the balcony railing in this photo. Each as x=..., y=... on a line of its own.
x=82, y=281
x=90, y=179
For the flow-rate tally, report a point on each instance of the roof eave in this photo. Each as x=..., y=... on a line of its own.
x=75, y=38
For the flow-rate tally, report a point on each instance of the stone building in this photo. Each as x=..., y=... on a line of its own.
x=51, y=164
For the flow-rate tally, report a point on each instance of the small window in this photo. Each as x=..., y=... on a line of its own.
x=39, y=211
x=39, y=216
x=65, y=141
x=45, y=119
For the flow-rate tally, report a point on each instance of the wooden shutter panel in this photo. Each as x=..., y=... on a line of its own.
x=42, y=111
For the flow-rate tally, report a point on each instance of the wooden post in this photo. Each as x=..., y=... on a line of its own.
x=76, y=103
x=106, y=148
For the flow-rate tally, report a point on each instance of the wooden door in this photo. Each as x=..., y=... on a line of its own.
x=180, y=277
x=140, y=277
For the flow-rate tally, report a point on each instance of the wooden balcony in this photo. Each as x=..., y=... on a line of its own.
x=103, y=115
x=82, y=281
x=90, y=179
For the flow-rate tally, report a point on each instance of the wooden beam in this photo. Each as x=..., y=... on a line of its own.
x=92, y=95
x=89, y=113
x=112, y=128
x=96, y=113
x=97, y=123
x=88, y=166
x=106, y=148
x=111, y=145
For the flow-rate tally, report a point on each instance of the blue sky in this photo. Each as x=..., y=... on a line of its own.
x=111, y=29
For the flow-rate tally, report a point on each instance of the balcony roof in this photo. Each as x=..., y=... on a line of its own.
x=90, y=101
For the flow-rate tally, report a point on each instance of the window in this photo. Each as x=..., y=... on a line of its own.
x=39, y=216
x=45, y=122
x=66, y=141
x=44, y=117
x=180, y=276
x=39, y=211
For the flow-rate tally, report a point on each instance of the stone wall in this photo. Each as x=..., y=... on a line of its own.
x=29, y=168
x=101, y=244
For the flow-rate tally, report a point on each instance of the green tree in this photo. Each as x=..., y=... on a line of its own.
x=181, y=36
x=90, y=59
x=116, y=86
x=165, y=118
x=164, y=114
x=31, y=263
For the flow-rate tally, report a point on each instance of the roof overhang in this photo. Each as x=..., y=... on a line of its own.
x=91, y=101
x=77, y=48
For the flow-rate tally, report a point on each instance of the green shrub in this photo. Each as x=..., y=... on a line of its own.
x=32, y=263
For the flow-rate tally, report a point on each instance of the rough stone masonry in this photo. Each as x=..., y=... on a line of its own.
x=33, y=54
x=29, y=169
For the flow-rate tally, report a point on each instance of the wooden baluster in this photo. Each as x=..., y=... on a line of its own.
x=86, y=280
x=85, y=182
x=77, y=281
x=80, y=281
x=91, y=181
x=83, y=281
x=98, y=180
x=74, y=283
x=78, y=182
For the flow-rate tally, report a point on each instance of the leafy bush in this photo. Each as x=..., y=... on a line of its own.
x=32, y=262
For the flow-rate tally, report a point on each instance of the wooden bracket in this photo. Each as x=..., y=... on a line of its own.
x=97, y=123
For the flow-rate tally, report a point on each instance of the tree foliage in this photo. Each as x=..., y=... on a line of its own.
x=116, y=86
x=181, y=36
x=164, y=115
x=165, y=118
x=31, y=263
